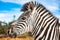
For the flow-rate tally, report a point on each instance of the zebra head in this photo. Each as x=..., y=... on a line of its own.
x=22, y=25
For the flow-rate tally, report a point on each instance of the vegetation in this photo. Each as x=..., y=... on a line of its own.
x=4, y=27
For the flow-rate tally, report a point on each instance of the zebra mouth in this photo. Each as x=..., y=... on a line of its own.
x=13, y=35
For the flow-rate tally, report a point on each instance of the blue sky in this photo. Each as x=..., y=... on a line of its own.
x=9, y=8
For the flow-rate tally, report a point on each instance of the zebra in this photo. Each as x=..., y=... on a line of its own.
x=37, y=20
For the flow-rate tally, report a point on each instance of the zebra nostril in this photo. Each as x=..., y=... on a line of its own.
x=14, y=35
x=12, y=31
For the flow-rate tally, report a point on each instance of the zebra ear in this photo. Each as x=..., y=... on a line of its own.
x=28, y=6
x=24, y=8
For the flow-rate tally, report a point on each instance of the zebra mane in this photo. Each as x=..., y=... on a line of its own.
x=30, y=5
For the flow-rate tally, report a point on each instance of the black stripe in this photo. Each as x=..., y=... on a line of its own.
x=53, y=34
x=38, y=8
x=40, y=5
x=19, y=27
x=41, y=10
x=22, y=24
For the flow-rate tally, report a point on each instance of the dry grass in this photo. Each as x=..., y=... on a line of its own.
x=28, y=38
x=23, y=37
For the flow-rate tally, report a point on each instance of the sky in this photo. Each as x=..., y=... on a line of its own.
x=9, y=8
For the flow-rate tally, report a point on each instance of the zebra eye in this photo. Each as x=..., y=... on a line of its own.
x=23, y=18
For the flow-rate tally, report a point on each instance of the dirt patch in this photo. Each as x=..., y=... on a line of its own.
x=28, y=38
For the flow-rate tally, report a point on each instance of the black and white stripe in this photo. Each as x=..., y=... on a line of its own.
x=43, y=25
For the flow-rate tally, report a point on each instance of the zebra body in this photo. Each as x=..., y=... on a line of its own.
x=37, y=20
